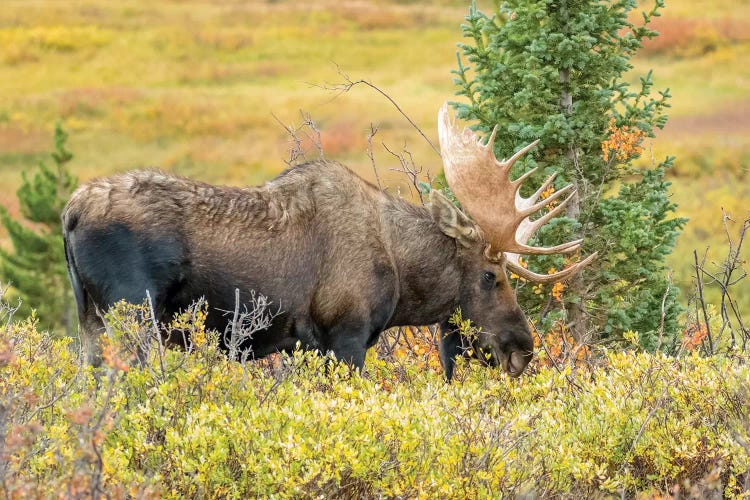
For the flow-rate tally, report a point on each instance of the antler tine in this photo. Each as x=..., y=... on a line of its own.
x=517, y=183
x=527, y=227
x=516, y=268
x=536, y=224
x=490, y=143
x=528, y=206
x=541, y=189
x=507, y=164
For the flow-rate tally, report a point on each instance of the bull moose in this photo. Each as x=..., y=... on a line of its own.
x=342, y=259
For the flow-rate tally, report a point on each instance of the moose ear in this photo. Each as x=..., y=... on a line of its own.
x=452, y=221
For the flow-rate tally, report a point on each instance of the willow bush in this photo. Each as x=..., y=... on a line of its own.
x=187, y=424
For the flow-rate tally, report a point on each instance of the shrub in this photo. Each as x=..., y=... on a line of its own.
x=186, y=424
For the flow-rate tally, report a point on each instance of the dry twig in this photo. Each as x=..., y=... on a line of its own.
x=348, y=84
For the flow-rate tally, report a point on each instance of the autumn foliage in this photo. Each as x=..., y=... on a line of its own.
x=196, y=424
x=622, y=143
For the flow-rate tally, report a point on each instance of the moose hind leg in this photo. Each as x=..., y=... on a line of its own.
x=90, y=328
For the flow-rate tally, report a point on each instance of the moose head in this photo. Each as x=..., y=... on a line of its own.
x=491, y=240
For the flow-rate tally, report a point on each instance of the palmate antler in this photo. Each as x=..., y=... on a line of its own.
x=482, y=184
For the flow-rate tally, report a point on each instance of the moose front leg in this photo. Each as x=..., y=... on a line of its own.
x=450, y=348
x=348, y=341
x=366, y=317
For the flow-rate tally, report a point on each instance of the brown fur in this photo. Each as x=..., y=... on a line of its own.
x=342, y=259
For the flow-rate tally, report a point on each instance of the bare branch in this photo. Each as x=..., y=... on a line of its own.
x=371, y=155
x=410, y=169
x=7, y=311
x=254, y=316
x=156, y=333
x=348, y=84
x=308, y=122
x=699, y=278
x=729, y=273
x=296, y=151
x=663, y=312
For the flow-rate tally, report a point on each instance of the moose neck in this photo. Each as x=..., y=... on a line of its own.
x=428, y=270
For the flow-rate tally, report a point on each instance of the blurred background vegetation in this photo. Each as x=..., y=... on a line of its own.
x=199, y=87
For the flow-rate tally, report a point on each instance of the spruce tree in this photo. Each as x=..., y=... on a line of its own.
x=555, y=70
x=35, y=266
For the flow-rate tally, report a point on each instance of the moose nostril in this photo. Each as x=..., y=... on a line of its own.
x=516, y=363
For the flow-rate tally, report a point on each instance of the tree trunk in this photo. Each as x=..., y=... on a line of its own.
x=577, y=318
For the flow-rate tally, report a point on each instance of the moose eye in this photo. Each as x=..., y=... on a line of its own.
x=488, y=280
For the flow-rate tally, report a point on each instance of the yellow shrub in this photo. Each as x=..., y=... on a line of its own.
x=187, y=424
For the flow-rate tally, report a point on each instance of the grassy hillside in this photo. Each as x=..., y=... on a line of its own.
x=196, y=87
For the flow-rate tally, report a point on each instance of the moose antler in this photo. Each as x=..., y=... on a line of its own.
x=482, y=184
